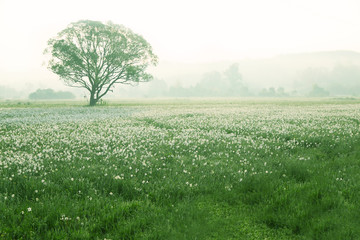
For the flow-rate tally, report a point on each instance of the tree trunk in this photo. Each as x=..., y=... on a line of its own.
x=93, y=100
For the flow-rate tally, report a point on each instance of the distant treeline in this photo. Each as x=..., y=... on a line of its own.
x=339, y=80
x=310, y=82
x=230, y=83
x=236, y=90
x=215, y=84
x=50, y=94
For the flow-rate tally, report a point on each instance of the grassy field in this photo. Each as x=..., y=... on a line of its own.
x=180, y=169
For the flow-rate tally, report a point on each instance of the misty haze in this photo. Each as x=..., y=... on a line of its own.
x=180, y=119
x=290, y=75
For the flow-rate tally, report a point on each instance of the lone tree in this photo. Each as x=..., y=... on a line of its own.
x=96, y=56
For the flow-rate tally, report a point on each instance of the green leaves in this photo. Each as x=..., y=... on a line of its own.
x=97, y=56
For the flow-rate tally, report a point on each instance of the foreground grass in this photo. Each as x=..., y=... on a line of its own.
x=219, y=169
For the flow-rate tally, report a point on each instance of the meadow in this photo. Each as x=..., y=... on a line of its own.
x=181, y=169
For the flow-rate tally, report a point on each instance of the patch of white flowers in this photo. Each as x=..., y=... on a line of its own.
x=159, y=143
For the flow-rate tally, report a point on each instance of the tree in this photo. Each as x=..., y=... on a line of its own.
x=96, y=56
x=233, y=75
x=236, y=86
x=50, y=94
x=211, y=84
x=318, y=92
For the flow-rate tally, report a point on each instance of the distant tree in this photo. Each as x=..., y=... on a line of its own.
x=280, y=92
x=271, y=92
x=235, y=84
x=233, y=75
x=318, y=92
x=50, y=94
x=264, y=93
x=339, y=80
x=217, y=84
x=97, y=56
x=268, y=92
x=211, y=84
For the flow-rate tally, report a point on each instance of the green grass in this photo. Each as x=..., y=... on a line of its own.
x=180, y=169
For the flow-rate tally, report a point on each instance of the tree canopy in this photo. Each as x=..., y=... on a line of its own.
x=96, y=56
x=50, y=94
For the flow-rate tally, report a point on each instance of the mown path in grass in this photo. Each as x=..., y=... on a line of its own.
x=189, y=169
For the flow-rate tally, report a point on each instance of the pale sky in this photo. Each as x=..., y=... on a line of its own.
x=182, y=30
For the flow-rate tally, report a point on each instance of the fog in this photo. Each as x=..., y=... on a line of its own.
x=291, y=75
x=279, y=48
